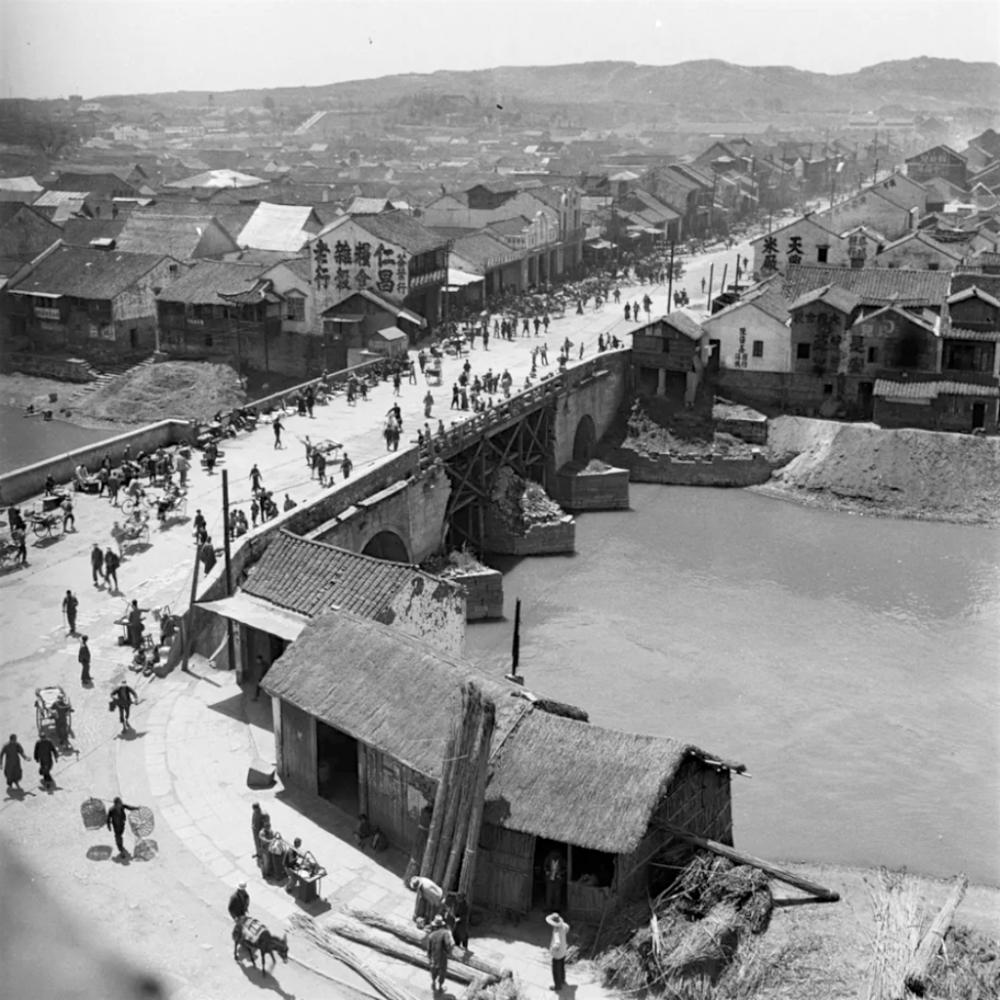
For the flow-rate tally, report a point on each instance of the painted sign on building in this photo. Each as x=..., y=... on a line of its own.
x=357, y=264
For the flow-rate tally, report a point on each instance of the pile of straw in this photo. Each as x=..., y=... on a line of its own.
x=691, y=930
x=897, y=915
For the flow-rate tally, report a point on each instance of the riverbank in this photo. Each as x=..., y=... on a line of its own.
x=826, y=950
x=865, y=469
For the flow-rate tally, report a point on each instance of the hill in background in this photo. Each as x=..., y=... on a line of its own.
x=921, y=83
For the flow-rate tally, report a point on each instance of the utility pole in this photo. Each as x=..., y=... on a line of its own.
x=670, y=279
x=230, y=641
x=711, y=281
x=188, y=625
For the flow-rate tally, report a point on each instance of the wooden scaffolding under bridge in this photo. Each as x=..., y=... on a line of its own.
x=524, y=445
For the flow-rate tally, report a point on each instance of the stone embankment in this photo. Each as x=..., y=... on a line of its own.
x=861, y=468
x=523, y=521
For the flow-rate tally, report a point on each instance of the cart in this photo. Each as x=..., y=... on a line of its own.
x=45, y=710
x=433, y=375
x=327, y=447
x=45, y=525
x=133, y=531
x=171, y=505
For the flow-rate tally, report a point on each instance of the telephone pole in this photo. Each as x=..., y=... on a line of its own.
x=230, y=639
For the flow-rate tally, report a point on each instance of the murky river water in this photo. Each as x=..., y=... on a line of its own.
x=852, y=663
x=24, y=440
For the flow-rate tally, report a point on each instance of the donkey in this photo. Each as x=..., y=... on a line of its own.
x=255, y=937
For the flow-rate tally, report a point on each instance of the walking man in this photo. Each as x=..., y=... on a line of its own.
x=116, y=822
x=96, y=562
x=439, y=946
x=182, y=468
x=63, y=711
x=111, y=564
x=68, y=516
x=46, y=755
x=278, y=427
x=207, y=555
x=255, y=478
x=257, y=818
x=428, y=403
x=346, y=465
x=83, y=658
x=558, y=949
x=239, y=902
x=69, y=605
x=123, y=697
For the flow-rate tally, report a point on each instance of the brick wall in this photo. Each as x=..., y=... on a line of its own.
x=714, y=471
x=483, y=593
x=578, y=491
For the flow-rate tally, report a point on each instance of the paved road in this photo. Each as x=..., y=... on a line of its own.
x=192, y=741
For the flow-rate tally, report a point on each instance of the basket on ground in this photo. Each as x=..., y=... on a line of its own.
x=142, y=821
x=145, y=850
x=95, y=815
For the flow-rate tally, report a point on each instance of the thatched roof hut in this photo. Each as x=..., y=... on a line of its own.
x=557, y=783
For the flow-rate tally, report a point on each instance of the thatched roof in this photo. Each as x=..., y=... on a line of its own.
x=552, y=775
x=581, y=784
x=385, y=688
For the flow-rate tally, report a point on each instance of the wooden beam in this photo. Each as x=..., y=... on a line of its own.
x=781, y=874
x=916, y=974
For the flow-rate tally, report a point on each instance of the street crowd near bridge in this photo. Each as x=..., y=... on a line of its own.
x=179, y=750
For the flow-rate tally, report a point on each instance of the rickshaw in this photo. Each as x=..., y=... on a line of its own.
x=47, y=524
x=46, y=715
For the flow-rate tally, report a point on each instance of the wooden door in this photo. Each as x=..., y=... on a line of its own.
x=504, y=869
x=298, y=748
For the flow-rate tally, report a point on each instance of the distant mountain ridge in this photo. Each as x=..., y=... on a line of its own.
x=921, y=83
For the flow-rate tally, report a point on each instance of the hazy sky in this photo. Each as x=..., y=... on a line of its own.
x=52, y=48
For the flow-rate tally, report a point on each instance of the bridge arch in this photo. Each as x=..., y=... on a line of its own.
x=387, y=545
x=585, y=440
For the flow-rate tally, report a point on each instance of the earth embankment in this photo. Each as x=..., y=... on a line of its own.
x=899, y=473
x=188, y=390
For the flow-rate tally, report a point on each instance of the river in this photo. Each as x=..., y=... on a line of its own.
x=849, y=662
x=26, y=440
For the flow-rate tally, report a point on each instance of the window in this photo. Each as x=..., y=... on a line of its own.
x=665, y=346
x=803, y=351
x=827, y=388
x=821, y=254
x=872, y=355
x=857, y=263
x=296, y=309
x=208, y=340
x=174, y=269
x=758, y=348
x=933, y=266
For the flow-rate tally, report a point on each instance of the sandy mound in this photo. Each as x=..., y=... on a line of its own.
x=908, y=473
x=184, y=389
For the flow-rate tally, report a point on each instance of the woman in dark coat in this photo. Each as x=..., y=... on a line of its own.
x=11, y=755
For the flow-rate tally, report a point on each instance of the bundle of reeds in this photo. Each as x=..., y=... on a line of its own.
x=458, y=804
x=897, y=913
x=329, y=944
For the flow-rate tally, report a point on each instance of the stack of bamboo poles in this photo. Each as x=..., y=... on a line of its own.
x=450, y=851
x=329, y=944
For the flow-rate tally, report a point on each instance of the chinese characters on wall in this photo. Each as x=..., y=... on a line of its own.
x=740, y=361
x=770, y=253
x=857, y=246
x=794, y=249
x=360, y=266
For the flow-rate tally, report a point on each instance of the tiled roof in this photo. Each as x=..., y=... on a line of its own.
x=50, y=198
x=79, y=232
x=209, y=280
x=931, y=390
x=212, y=179
x=930, y=321
x=394, y=227
x=368, y=206
x=973, y=292
x=87, y=274
x=510, y=227
x=299, y=266
x=821, y=222
x=309, y=577
x=767, y=297
x=839, y=298
x=873, y=286
x=484, y=250
x=683, y=323
x=176, y=235
x=957, y=333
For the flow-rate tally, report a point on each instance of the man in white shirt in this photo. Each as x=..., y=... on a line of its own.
x=430, y=897
x=558, y=949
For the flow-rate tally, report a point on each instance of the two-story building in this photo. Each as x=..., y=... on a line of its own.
x=938, y=161
x=874, y=207
x=669, y=356
x=97, y=304
x=918, y=251
x=556, y=243
x=809, y=240
x=392, y=255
